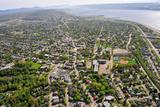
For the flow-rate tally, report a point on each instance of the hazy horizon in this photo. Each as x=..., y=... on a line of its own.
x=8, y=4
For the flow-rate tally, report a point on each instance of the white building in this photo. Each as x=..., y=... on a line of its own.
x=95, y=64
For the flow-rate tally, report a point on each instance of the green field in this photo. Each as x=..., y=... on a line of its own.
x=33, y=65
x=130, y=62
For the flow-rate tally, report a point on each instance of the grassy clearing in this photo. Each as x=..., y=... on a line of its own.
x=33, y=65
x=131, y=61
x=128, y=62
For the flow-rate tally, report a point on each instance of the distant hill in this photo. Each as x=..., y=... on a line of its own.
x=19, y=10
x=31, y=14
x=24, y=10
x=133, y=6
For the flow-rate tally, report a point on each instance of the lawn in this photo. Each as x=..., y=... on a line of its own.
x=34, y=65
x=125, y=62
x=131, y=61
x=105, y=45
x=98, y=43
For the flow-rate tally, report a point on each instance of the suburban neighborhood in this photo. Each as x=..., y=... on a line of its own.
x=54, y=59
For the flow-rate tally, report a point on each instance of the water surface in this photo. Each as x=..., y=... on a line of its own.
x=146, y=17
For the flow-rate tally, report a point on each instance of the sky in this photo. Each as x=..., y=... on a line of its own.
x=10, y=4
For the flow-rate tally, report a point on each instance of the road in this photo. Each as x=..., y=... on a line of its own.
x=111, y=55
x=75, y=59
x=139, y=99
x=153, y=48
x=53, y=68
x=100, y=33
x=150, y=47
x=155, y=37
x=66, y=97
x=152, y=63
x=8, y=66
x=50, y=99
x=144, y=87
x=74, y=46
x=95, y=46
x=150, y=79
x=66, y=25
x=111, y=60
x=149, y=42
x=129, y=41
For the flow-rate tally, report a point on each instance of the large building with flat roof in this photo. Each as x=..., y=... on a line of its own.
x=121, y=52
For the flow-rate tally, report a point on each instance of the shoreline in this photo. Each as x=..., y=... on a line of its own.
x=127, y=15
x=134, y=22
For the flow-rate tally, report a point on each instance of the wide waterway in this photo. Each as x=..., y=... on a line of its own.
x=146, y=17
